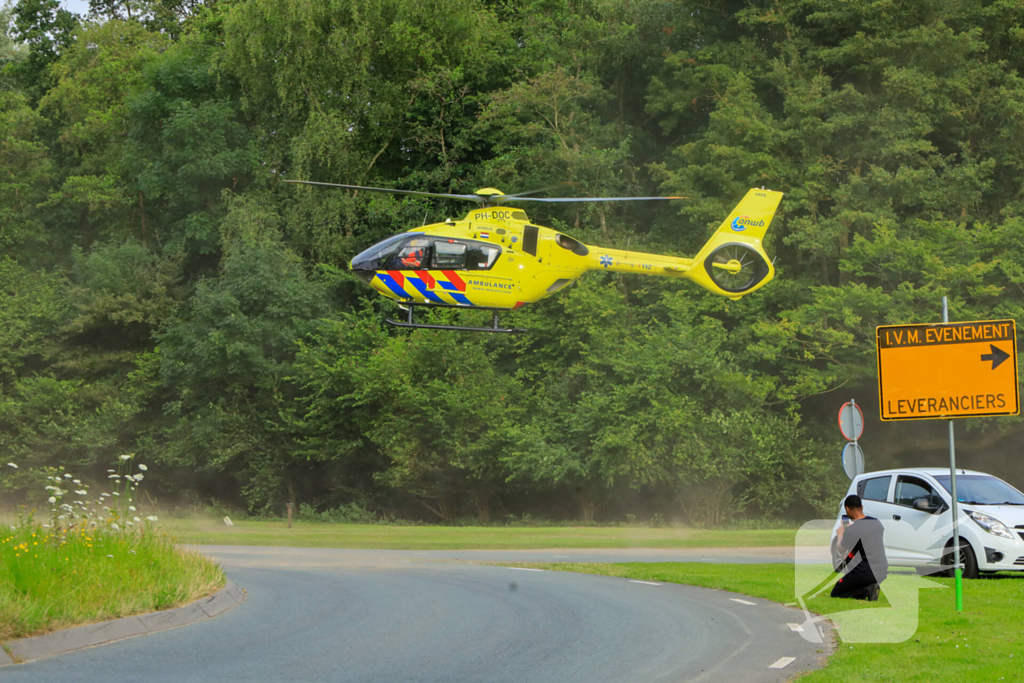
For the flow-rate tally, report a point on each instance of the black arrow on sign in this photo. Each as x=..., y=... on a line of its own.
x=997, y=356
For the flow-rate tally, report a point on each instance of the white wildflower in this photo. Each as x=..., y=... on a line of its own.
x=49, y=488
x=51, y=500
x=76, y=481
x=109, y=555
x=152, y=518
x=110, y=470
x=81, y=493
x=143, y=468
x=139, y=477
x=116, y=493
x=67, y=476
x=114, y=526
x=132, y=508
x=114, y=476
x=127, y=457
x=11, y=464
x=136, y=519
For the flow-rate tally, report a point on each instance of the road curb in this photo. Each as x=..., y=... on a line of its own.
x=91, y=635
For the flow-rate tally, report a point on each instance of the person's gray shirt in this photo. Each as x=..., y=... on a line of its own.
x=868, y=532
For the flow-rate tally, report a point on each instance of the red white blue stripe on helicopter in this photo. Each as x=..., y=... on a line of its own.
x=425, y=283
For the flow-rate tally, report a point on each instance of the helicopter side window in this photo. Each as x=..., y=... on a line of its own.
x=449, y=255
x=413, y=255
x=481, y=256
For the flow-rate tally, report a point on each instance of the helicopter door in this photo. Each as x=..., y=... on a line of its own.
x=449, y=255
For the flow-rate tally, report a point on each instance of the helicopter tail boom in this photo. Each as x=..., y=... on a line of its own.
x=732, y=263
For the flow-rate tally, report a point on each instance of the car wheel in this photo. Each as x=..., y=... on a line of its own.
x=967, y=559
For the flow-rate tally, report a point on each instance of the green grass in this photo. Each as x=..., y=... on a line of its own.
x=328, y=535
x=50, y=581
x=983, y=643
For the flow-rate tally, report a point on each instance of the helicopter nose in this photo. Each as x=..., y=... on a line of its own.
x=361, y=270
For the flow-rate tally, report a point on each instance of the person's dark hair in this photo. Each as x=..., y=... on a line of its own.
x=853, y=503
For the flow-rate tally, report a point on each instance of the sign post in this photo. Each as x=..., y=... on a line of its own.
x=948, y=371
x=955, y=509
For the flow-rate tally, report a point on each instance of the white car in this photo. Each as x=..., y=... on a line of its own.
x=914, y=508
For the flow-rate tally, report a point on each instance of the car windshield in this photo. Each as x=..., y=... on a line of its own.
x=983, y=490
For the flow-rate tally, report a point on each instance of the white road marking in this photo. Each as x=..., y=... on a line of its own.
x=795, y=627
x=525, y=569
x=647, y=583
x=782, y=663
x=743, y=602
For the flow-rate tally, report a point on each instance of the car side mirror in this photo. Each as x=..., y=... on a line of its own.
x=924, y=505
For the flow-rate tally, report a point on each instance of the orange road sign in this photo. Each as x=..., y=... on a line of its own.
x=947, y=370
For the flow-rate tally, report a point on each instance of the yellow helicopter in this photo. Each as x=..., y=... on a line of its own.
x=496, y=259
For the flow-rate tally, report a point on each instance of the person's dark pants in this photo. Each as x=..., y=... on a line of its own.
x=859, y=584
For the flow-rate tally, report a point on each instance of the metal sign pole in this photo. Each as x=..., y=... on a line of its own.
x=853, y=420
x=954, y=509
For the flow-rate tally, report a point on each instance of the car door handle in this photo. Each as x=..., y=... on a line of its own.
x=896, y=517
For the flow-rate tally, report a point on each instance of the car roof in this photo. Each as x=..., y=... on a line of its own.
x=933, y=471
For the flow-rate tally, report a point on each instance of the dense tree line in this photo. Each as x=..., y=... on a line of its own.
x=163, y=293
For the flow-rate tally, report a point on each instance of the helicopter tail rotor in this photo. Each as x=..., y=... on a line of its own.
x=733, y=262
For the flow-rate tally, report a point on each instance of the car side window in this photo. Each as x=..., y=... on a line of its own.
x=909, y=489
x=876, y=488
x=449, y=255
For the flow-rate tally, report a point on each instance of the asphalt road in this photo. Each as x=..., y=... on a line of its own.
x=393, y=616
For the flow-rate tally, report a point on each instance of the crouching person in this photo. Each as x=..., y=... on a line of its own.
x=864, y=566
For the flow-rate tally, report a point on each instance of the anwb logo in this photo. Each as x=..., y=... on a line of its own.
x=741, y=223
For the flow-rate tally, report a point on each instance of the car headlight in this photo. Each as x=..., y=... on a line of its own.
x=992, y=525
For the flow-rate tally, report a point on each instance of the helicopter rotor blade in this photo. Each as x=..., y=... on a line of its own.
x=414, y=193
x=556, y=186
x=517, y=198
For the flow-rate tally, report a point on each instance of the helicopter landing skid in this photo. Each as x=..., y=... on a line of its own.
x=456, y=328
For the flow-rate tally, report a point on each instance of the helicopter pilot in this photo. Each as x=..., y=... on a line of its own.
x=412, y=259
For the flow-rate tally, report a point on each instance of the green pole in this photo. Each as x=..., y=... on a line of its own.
x=957, y=573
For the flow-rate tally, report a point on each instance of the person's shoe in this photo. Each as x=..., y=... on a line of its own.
x=873, y=591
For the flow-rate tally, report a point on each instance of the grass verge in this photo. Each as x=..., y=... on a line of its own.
x=51, y=580
x=982, y=643
x=381, y=536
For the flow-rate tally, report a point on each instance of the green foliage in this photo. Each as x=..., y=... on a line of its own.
x=46, y=30
x=353, y=513
x=164, y=293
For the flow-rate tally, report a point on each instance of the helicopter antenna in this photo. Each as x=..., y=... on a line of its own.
x=425, y=216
